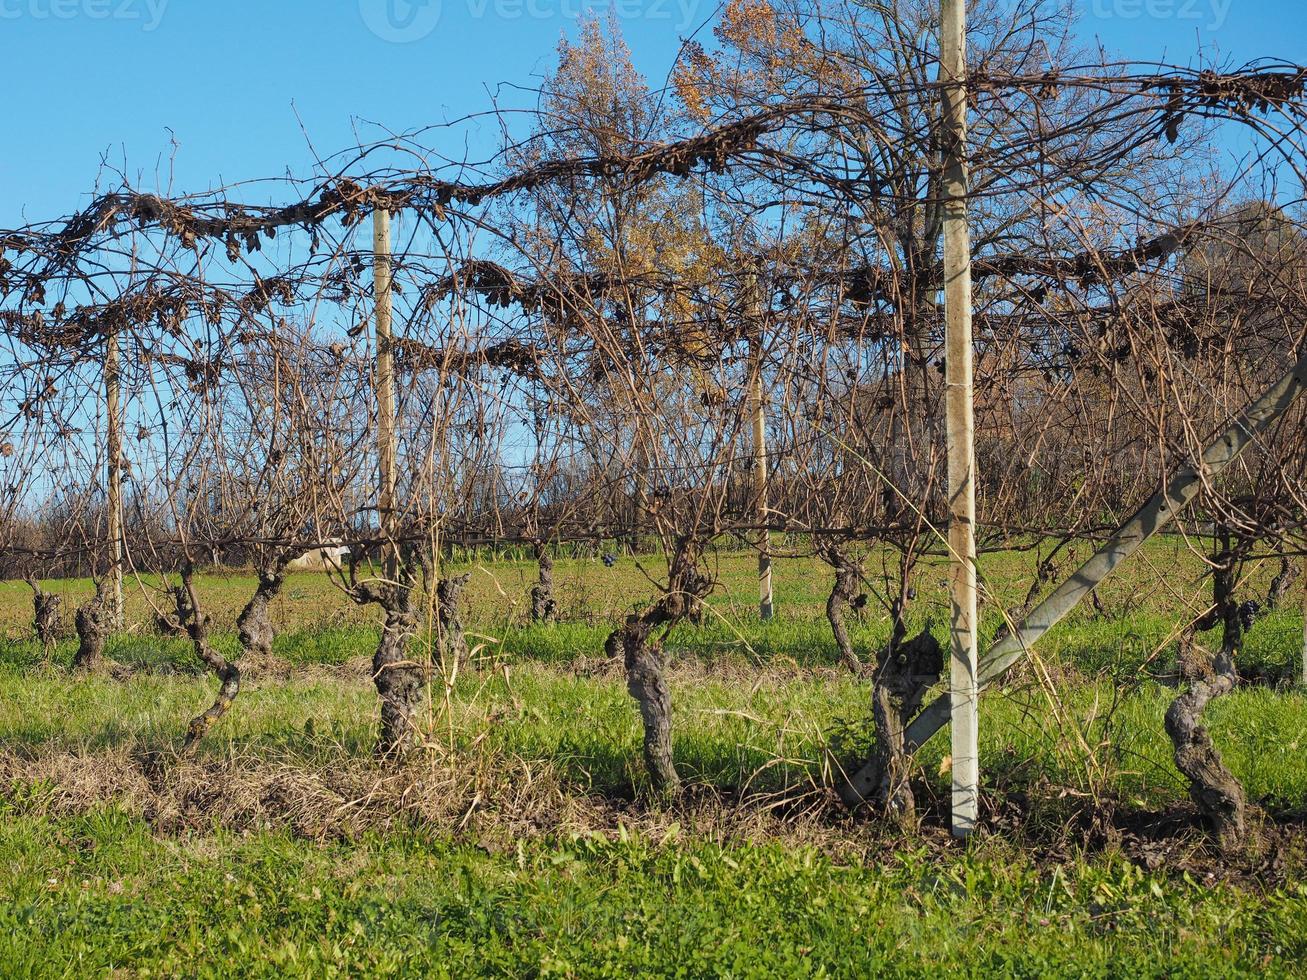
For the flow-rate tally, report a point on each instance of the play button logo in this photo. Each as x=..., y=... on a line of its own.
x=400, y=21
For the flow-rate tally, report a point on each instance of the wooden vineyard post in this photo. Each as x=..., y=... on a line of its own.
x=758, y=408
x=114, y=477
x=385, y=392
x=1156, y=513
x=963, y=673
x=1304, y=618
x=765, y=604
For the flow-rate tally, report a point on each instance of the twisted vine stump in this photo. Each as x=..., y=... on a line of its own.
x=45, y=608
x=544, y=608
x=254, y=629
x=1281, y=584
x=1213, y=788
x=845, y=593
x=452, y=638
x=905, y=671
x=190, y=617
x=93, y=621
x=397, y=678
x=646, y=679
x=254, y=625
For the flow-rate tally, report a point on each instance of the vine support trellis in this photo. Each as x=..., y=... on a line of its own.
x=385, y=391
x=1304, y=618
x=1159, y=511
x=114, y=475
x=960, y=412
x=758, y=410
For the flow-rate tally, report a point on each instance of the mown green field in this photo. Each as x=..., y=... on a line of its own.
x=100, y=893
x=521, y=841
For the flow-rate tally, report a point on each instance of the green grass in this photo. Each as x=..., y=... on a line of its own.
x=99, y=894
x=1163, y=577
x=1162, y=586
x=764, y=732
x=761, y=712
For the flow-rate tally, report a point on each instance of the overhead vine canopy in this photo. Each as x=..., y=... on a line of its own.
x=596, y=328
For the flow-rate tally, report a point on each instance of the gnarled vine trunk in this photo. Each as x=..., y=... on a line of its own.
x=1213, y=788
x=452, y=638
x=45, y=609
x=93, y=621
x=191, y=618
x=544, y=608
x=646, y=682
x=844, y=593
x=904, y=673
x=397, y=678
x=646, y=679
x=1281, y=584
x=254, y=625
x=254, y=629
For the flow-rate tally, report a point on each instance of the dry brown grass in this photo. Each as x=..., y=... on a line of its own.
x=496, y=803
x=462, y=798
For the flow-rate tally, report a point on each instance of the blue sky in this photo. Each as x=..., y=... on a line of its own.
x=233, y=80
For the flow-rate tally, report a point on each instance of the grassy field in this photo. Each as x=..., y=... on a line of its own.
x=521, y=842
x=100, y=893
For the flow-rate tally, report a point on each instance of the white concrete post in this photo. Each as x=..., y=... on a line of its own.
x=963, y=673
x=385, y=390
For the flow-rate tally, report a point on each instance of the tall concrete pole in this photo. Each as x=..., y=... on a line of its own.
x=765, y=598
x=114, y=476
x=1304, y=621
x=385, y=391
x=1156, y=513
x=963, y=673
x=758, y=407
